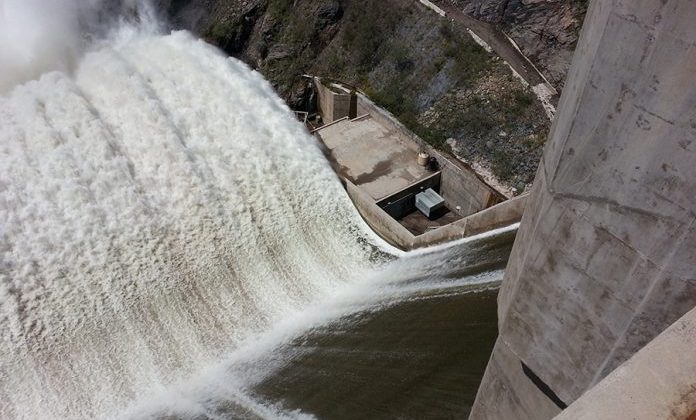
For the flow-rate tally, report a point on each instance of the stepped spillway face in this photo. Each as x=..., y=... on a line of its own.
x=166, y=226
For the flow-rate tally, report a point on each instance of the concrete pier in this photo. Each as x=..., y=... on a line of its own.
x=604, y=260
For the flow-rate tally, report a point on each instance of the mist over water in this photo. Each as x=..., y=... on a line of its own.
x=37, y=36
x=164, y=221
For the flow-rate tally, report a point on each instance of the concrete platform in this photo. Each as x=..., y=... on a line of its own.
x=377, y=159
x=373, y=156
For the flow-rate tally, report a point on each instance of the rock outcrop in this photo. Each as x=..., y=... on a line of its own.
x=545, y=30
x=427, y=71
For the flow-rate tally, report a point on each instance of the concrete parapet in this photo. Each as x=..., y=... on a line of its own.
x=503, y=214
x=384, y=225
x=658, y=382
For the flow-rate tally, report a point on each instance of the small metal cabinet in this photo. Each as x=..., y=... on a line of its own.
x=429, y=202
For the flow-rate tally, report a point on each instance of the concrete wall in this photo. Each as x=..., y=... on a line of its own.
x=460, y=185
x=463, y=188
x=503, y=214
x=658, y=382
x=403, y=202
x=383, y=224
x=332, y=104
x=604, y=259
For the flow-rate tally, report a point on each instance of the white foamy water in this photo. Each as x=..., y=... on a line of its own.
x=157, y=208
x=227, y=389
x=164, y=221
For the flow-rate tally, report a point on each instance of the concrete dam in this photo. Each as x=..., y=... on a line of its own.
x=174, y=244
x=605, y=257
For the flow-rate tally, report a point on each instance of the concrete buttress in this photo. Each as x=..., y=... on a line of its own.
x=605, y=258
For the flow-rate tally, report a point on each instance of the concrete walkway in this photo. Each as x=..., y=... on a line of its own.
x=501, y=44
x=373, y=156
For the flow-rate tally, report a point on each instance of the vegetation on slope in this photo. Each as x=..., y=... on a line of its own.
x=426, y=71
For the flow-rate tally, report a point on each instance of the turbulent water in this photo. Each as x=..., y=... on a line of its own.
x=164, y=223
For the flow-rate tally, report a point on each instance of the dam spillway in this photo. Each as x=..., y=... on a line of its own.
x=154, y=217
x=165, y=223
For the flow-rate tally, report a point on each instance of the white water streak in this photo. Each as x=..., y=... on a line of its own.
x=157, y=208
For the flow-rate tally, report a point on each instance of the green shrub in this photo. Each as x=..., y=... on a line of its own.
x=222, y=30
x=446, y=31
x=521, y=101
x=368, y=27
x=401, y=56
x=278, y=8
x=470, y=60
x=393, y=100
x=503, y=164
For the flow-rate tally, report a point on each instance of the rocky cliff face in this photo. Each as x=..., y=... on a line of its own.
x=545, y=30
x=426, y=70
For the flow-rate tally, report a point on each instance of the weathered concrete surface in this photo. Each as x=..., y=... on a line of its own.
x=529, y=404
x=604, y=259
x=460, y=184
x=658, y=382
x=501, y=214
x=383, y=224
x=371, y=156
x=465, y=189
x=333, y=104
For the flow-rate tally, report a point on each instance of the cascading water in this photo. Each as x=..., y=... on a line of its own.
x=162, y=213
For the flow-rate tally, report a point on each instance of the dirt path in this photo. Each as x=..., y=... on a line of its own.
x=498, y=41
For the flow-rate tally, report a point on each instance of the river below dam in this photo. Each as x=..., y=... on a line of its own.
x=411, y=342
x=417, y=355
x=175, y=245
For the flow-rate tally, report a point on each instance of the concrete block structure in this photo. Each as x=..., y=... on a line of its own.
x=376, y=158
x=335, y=102
x=605, y=258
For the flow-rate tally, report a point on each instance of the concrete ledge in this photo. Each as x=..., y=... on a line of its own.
x=658, y=382
x=328, y=125
x=392, y=231
x=384, y=225
x=460, y=184
x=503, y=214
